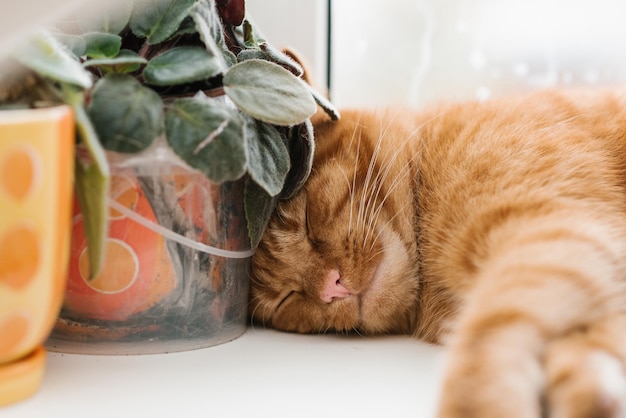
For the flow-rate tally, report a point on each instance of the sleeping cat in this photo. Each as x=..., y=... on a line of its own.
x=497, y=228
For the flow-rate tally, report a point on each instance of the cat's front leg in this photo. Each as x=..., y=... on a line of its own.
x=495, y=372
x=528, y=295
x=579, y=375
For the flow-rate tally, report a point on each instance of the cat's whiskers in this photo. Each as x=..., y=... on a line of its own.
x=372, y=183
x=375, y=209
x=406, y=169
x=397, y=181
x=356, y=331
x=376, y=183
x=351, y=193
x=372, y=256
x=373, y=196
x=351, y=189
x=382, y=229
x=257, y=301
x=358, y=153
x=360, y=214
x=400, y=177
x=369, y=181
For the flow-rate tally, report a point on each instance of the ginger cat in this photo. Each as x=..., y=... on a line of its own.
x=497, y=228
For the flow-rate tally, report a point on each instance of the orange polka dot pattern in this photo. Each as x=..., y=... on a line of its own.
x=36, y=173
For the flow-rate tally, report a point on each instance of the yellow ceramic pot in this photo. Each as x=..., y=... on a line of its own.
x=36, y=175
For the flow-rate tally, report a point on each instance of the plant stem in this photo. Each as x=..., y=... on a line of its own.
x=143, y=51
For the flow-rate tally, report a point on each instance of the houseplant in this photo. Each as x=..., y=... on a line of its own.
x=159, y=87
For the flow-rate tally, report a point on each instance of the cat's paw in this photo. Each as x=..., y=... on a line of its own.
x=584, y=383
x=487, y=378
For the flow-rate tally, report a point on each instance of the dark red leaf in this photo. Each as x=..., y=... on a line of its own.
x=232, y=11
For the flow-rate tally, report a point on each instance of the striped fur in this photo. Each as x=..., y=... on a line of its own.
x=496, y=228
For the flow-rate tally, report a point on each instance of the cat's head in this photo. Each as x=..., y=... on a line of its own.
x=341, y=254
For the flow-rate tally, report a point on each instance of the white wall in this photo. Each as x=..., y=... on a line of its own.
x=297, y=24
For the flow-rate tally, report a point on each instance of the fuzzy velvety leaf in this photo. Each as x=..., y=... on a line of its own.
x=268, y=92
x=75, y=43
x=259, y=207
x=229, y=58
x=282, y=59
x=251, y=54
x=45, y=55
x=187, y=27
x=126, y=62
x=181, y=65
x=209, y=136
x=209, y=28
x=325, y=104
x=102, y=45
x=301, y=149
x=157, y=20
x=268, y=155
x=207, y=21
x=126, y=115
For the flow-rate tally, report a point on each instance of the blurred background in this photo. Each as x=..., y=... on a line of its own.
x=419, y=51
x=415, y=52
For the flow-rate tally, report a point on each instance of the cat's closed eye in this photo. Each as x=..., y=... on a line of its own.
x=285, y=299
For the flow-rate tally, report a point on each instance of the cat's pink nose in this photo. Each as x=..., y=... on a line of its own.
x=333, y=288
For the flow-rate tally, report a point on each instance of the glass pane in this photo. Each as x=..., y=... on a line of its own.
x=420, y=51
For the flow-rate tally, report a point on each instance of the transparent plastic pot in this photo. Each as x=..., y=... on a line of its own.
x=175, y=274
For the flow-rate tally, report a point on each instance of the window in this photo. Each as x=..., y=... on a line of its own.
x=416, y=52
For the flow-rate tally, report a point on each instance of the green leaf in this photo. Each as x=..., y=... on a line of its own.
x=301, y=150
x=259, y=207
x=208, y=23
x=126, y=62
x=126, y=115
x=187, y=27
x=208, y=26
x=85, y=131
x=268, y=92
x=249, y=38
x=74, y=43
x=91, y=189
x=251, y=54
x=102, y=45
x=325, y=104
x=92, y=183
x=181, y=65
x=158, y=20
x=268, y=155
x=48, y=57
x=209, y=136
x=282, y=59
x=229, y=58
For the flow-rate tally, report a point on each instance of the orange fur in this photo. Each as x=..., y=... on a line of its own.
x=498, y=228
